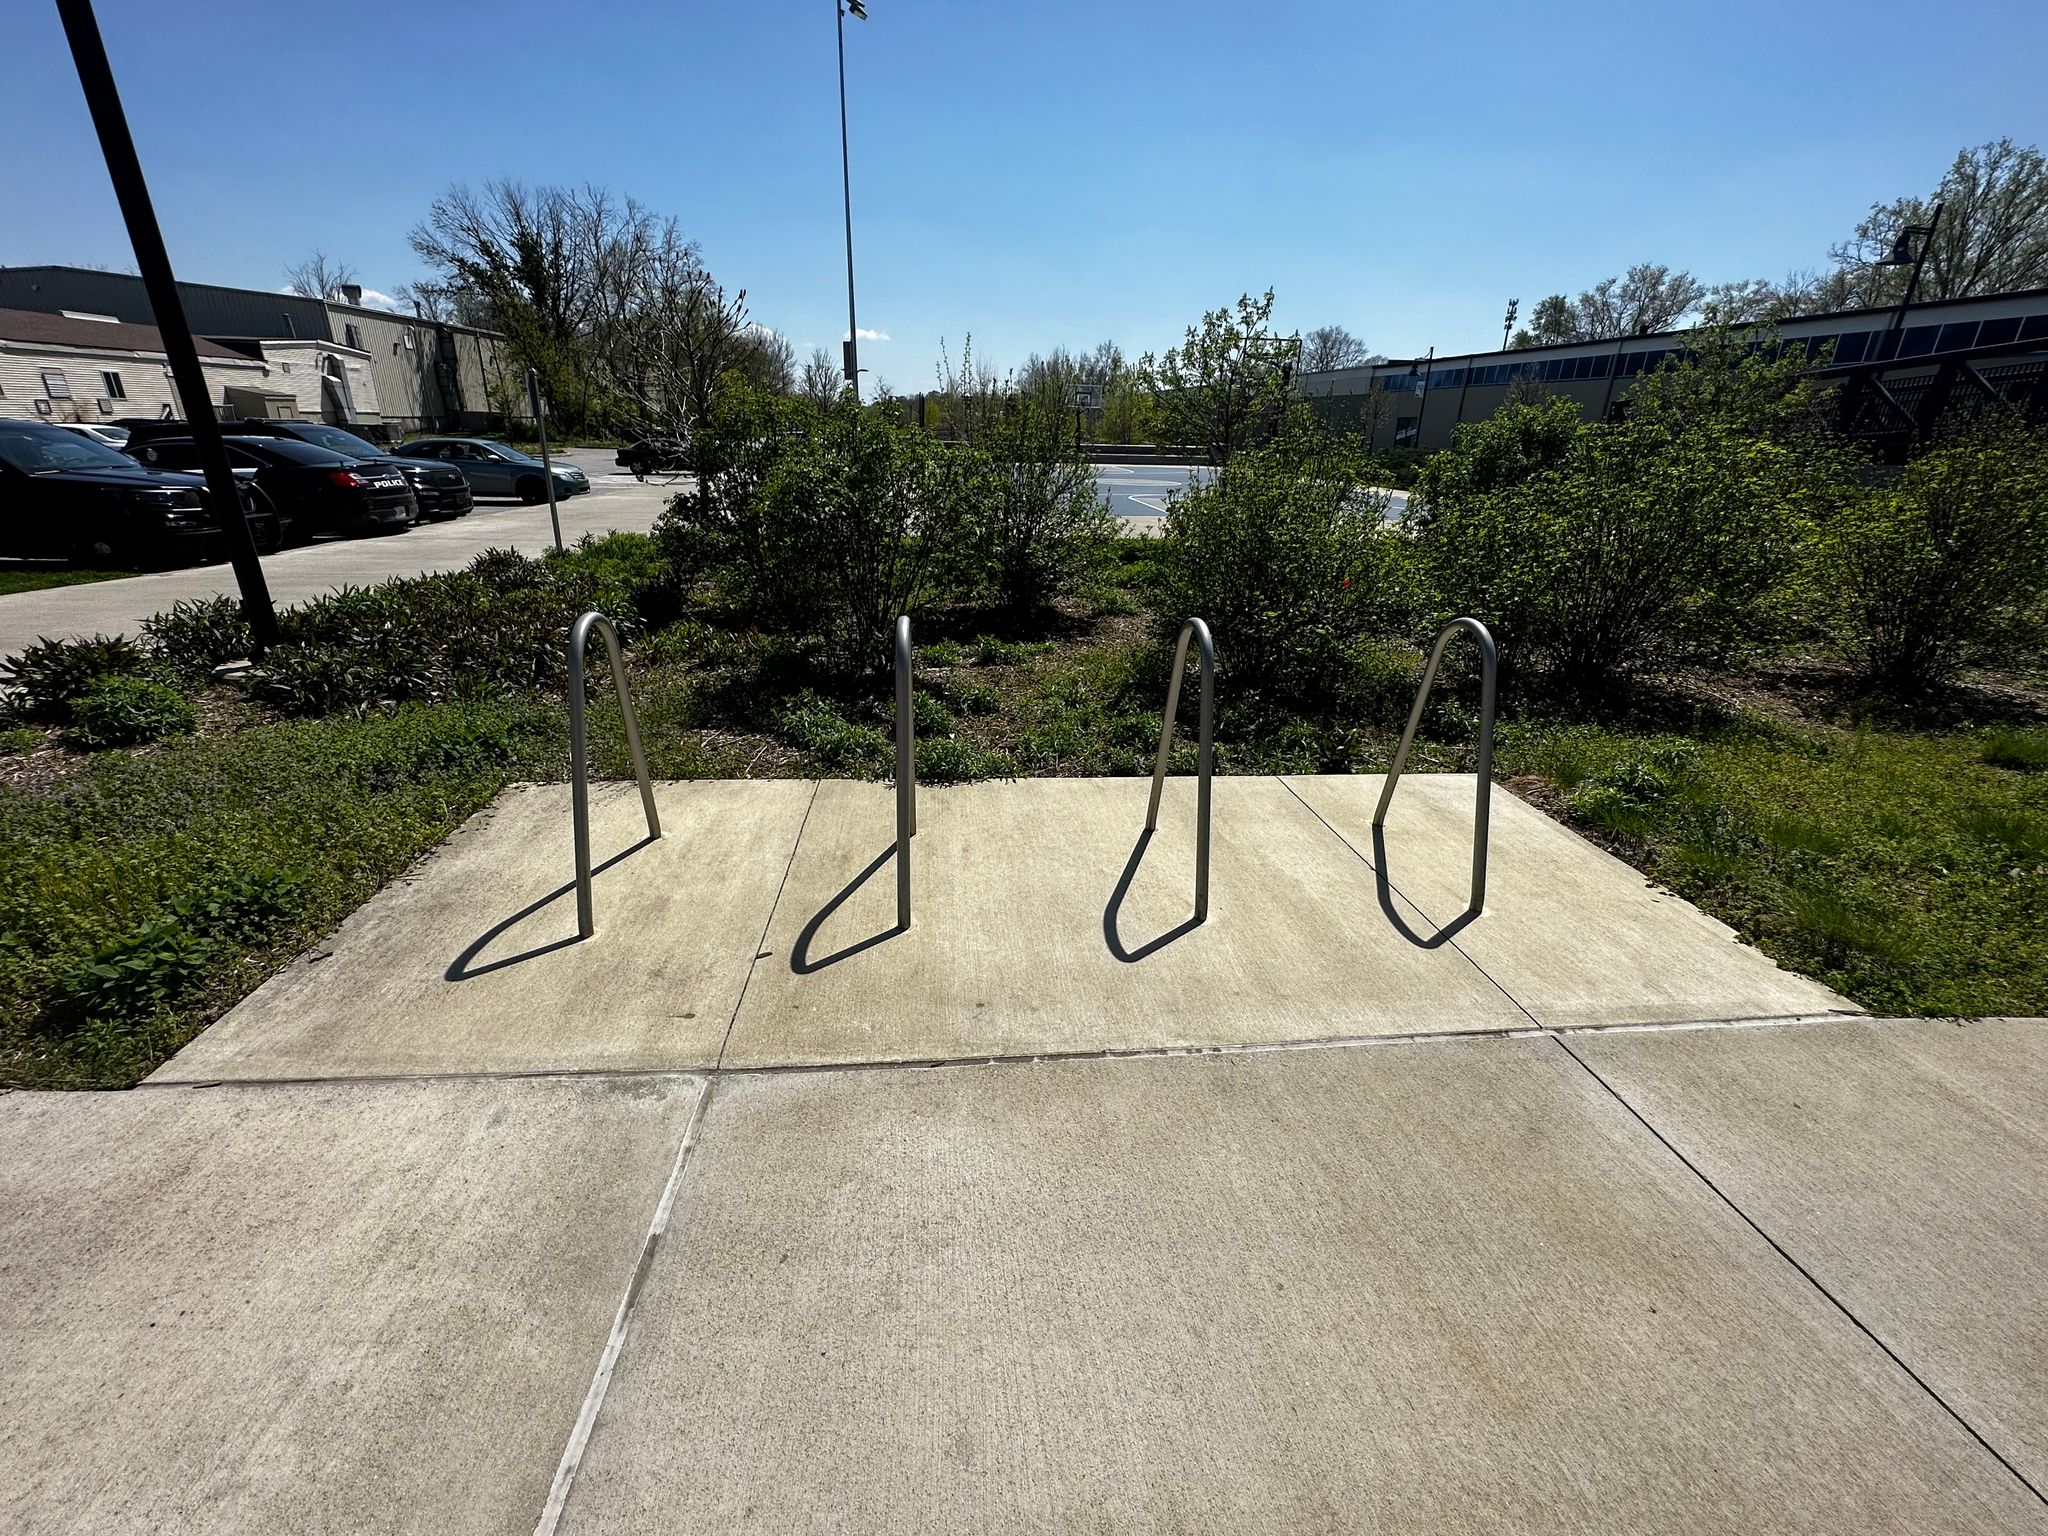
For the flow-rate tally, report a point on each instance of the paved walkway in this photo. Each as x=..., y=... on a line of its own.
x=1343, y=1211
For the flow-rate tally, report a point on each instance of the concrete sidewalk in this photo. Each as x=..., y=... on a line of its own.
x=1346, y=1211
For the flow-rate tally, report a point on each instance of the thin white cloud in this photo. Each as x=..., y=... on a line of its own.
x=376, y=300
x=867, y=335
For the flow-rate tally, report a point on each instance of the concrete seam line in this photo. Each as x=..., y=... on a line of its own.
x=601, y=1379
x=1804, y=1273
x=1379, y=874
x=768, y=923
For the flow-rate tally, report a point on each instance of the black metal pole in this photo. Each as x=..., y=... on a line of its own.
x=89, y=54
x=846, y=184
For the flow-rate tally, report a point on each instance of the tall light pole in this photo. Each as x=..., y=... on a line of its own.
x=852, y=356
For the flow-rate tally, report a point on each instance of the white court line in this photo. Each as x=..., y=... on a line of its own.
x=1151, y=502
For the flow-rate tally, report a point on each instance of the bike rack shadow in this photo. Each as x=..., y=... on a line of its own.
x=1385, y=891
x=800, y=960
x=1113, y=912
x=460, y=968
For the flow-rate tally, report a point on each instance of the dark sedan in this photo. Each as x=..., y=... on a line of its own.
x=67, y=497
x=314, y=490
x=493, y=469
x=655, y=456
x=438, y=491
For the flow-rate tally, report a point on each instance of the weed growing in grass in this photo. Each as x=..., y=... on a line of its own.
x=813, y=724
x=929, y=716
x=991, y=651
x=941, y=653
x=960, y=759
x=129, y=712
x=18, y=740
x=2025, y=750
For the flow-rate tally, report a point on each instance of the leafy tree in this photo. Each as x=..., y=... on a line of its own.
x=1919, y=578
x=1647, y=299
x=1288, y=556
x=1993, y=235
x=1228, y=385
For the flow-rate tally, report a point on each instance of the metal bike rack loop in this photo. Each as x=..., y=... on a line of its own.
x=1199, y=632
x=1489, y=660
x=906, y=771
x=579, y=794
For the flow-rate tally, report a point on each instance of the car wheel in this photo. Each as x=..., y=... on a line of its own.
x=94, y=551
x=266, y=528
x=531, y=490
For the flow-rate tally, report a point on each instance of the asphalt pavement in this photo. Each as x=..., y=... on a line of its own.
x=614, y=502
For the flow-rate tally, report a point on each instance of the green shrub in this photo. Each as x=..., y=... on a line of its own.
x=1630, y=548
x=930, y=716
x=498, y=628
x=1037, y=527
x=129, y=712
x=19, y=740
x=959, y=760
x=813, y=724
x=942, y=653
x=993, y=651
x=1287, y=556
x=190, y=639
x=971, y=698
x=823, y=526
x=49, y=674
x=1942, y=568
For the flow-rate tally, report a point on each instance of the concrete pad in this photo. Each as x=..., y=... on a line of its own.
x=1445, y=1286
x=1020, y=943
x=313, y=1309
x=1902, y=1164
x=471, y=962
x=1575, y=936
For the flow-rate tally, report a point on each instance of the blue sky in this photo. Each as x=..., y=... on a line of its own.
x=1043, y=173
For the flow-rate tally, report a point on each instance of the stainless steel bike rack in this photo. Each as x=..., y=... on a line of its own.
x=1197, y=630
x=1481, y=816
x=579, y=794
x=906, y=771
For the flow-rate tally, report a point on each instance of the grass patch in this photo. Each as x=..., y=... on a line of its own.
x=2024, y=750
x=30, y=578
x=143, y=895
x=1902, y=869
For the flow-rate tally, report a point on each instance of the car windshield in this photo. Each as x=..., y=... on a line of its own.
x=341, y=442
x=42, y=451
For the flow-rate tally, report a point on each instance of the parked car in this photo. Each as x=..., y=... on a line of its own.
x=493, y=469
x=113, y=436
x=438, y=491
x=312, y=490
x=655, y=456
x=65, y=496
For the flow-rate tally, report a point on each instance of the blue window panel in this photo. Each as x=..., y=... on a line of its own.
x=1599, y=367
x=2034, y=328
x=1918, y=341
x=1852, y=347
x=1998, y=332
x=1955, y=337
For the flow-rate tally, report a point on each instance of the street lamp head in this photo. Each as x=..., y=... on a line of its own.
x=857, y=9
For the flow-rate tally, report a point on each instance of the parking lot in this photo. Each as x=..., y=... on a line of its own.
x=614, y=502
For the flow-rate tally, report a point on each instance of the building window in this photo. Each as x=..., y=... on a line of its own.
x=115, y=389
x=55, y=385
x=1404, y=431
x=284, y=367
x=408, y=341
x=352, y=336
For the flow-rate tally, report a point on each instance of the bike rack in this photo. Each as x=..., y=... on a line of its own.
x=1199, y=631
x=906, y=771
x=579, y=794
x=1489, y=660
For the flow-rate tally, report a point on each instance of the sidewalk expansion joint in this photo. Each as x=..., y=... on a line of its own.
x=1808, y=1275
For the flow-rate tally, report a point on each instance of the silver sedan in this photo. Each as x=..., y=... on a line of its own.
x=493, y=469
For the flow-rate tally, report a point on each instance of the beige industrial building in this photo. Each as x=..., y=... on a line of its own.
x=62, y=368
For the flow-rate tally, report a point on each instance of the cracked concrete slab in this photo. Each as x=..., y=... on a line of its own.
x=470, y=962
x=1042, y=923
x=1576, y=936
x=331, y=1308
x=1445, y=1286
x=1902, y=1164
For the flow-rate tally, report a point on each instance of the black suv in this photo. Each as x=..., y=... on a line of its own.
x=312, y=490
x=64, y=496
x=440, y=491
